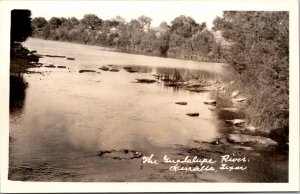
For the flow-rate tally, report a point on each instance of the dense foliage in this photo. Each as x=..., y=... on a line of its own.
x=184, y=38
x=20, y=25
x=259, y=50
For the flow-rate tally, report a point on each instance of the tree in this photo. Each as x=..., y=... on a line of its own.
x=54, y=23
x=145, y=22
x=91, y=21
x=184, y=26
x=39, y=22
x=20, y=25
x=203, y=42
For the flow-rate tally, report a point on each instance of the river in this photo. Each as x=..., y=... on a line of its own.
x=69, y=120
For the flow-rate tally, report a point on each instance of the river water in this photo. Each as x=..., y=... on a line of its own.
x=67, y=117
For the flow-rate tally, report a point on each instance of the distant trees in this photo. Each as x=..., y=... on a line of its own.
x=20, y=25
x=182, y=38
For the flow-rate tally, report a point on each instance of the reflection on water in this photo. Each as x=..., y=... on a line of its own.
x=69, y=116
x=17, y=93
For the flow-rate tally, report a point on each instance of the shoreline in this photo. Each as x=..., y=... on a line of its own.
x=141, y=52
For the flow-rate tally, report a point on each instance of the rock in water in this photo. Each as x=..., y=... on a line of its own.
x=83, y=71
x=181, y=103
x=235, y=121
x=193, y=114
x=147, y=81
x=211, y=102
x=255, y=140
x=104, y=68
x=114, y=70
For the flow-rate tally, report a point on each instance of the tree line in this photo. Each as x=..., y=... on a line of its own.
x=183, y=38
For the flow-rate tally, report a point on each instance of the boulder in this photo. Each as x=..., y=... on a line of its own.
x=235, y=121
x=249, y=139
x=181, y=103
x=211, y=102
x=193, y=114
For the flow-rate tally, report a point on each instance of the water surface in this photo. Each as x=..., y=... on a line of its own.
x=67, y=116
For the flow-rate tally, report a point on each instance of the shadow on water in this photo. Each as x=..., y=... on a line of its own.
x=17, y=93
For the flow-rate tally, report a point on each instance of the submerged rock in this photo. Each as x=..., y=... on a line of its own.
x=193, y=114
x=235, y=121
x=70, y=58
x=147, y=81
x=181, y=103
x=211, y=102
x=255, y=140
x=83, y=71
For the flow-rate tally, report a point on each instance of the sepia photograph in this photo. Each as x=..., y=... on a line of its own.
x=149, y=92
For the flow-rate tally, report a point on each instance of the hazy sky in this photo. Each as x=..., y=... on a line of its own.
x=158, y=10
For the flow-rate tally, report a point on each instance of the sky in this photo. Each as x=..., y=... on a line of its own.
x=158, y=10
